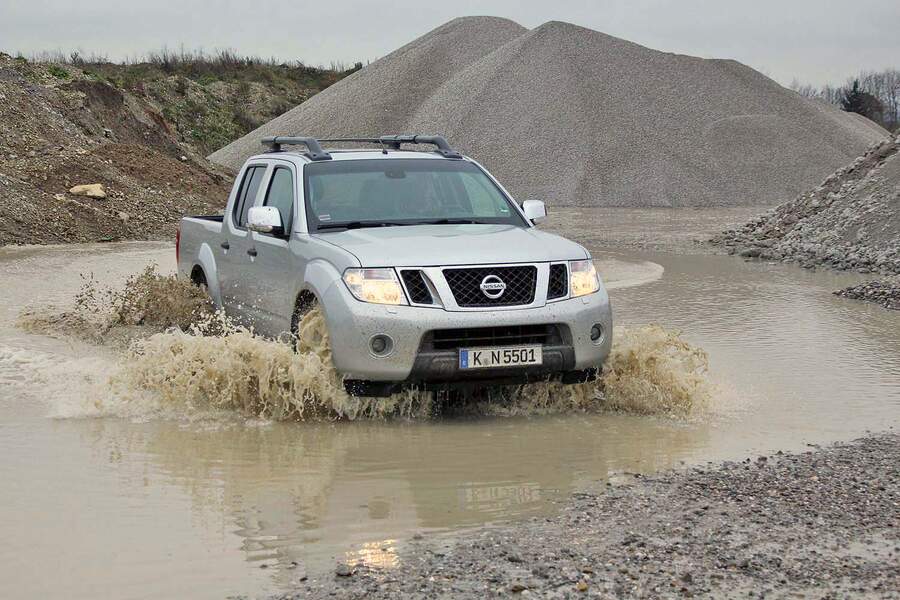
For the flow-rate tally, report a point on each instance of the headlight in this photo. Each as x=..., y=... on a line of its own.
x=379, y=286
x=583, y=277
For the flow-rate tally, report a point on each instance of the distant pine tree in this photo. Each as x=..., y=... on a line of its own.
x=863, y=103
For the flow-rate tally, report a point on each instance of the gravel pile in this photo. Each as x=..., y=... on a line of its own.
x=577, y=117
x=383, y=96
x=851, y=221
x=825, y=523
x=883, y=293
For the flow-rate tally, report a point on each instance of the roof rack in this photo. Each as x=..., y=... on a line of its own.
x=393, y=142
x=314, y=149
x=443, y=148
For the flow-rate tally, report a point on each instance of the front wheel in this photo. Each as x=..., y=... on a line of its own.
x=309, y=332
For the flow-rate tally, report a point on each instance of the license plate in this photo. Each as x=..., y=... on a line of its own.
x=509, y=356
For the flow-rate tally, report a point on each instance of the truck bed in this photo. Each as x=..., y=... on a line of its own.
x=193, y=233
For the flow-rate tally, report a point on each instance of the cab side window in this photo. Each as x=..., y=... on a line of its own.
x=247, y=195
x=281, y=195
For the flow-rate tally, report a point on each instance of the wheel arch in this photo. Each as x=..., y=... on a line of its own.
x=206, y=261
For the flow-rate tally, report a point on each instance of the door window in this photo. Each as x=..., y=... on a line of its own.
x=281, y=195
x=247, y=195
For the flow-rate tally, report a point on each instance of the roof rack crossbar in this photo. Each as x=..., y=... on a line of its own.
x=443, y=148
x=314, y=149
x=384, y=147
x=393, y=142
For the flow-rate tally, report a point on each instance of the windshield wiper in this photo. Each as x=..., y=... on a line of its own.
x=362, y=224
x=454, y=222
x=359, y=225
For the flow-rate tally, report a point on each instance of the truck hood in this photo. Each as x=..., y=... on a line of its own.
x=441, y=245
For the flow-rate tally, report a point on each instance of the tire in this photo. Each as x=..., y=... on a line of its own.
x=303, y=306
x=198, y=278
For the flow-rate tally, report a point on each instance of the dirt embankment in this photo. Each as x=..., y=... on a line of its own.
x=824, y=523
x=213, y=100
x=139, y=131
x=62, y=129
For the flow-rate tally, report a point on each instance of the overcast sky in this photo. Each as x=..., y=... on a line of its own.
x=817, y=41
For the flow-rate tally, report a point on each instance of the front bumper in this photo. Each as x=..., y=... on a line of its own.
x=352, y=324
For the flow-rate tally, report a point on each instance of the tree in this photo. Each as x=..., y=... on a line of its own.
x=856, y=100
x=858, y=92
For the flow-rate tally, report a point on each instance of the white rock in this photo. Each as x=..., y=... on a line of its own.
x=91, y=190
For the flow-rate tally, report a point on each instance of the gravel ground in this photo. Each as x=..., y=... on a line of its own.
x=824, y=524
x=547, y=112
x=882, y=293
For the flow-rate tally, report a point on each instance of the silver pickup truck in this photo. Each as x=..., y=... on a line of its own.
x=428, y=273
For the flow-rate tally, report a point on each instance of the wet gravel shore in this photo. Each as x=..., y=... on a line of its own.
x=882, y=293
x=824, y=524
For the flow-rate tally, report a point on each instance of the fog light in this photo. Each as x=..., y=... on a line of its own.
x=596, y=333
x=381, y=344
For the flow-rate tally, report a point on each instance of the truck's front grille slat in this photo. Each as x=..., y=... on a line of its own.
x=416, y=287
x=559, y=281
x=465, y=283
x=506, y=335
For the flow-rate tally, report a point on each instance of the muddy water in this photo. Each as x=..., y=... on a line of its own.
x=141, y=507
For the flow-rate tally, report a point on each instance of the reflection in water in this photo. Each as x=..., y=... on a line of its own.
x=382, y=555
x=305, y=493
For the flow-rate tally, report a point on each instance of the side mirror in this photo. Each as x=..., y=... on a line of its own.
x=534, y=210
x=265, y=219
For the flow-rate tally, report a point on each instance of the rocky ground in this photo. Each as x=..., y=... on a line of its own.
x=851, y=221
x=824, y=524
x=883, y=293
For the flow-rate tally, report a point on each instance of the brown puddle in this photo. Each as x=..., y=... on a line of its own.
x=140, y=506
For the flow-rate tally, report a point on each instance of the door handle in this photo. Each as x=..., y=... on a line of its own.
x=225, y=245
x=252, y=252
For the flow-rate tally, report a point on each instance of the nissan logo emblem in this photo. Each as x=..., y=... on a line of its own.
x=492, y=287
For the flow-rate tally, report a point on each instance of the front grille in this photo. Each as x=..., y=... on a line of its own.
x=559, y=281
x=465, y=285
x=507, y=335
x=416, y=287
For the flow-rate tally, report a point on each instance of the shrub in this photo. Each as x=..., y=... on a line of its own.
x=58, y=72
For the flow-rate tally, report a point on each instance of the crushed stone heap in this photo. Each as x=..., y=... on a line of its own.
x=576, y=117
x=851, y=221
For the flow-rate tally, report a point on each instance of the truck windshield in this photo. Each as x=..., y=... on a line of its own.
x=344, y=194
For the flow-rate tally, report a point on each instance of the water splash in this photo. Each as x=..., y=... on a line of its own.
x=651, y=370
x=147, y=303
x=186, y=361
x=232, y=369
